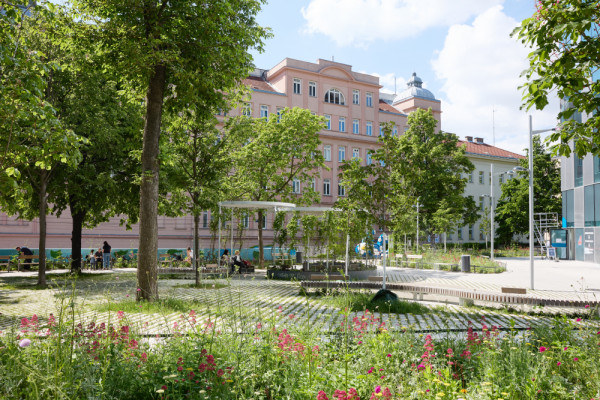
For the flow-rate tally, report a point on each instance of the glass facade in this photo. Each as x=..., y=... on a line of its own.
x=568, y=208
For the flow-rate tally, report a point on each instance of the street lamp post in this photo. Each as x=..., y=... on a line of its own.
x=531, y=198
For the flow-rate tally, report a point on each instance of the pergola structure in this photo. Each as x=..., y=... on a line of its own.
x=249, y=205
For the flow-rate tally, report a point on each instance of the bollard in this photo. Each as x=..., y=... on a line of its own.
x=465, y=263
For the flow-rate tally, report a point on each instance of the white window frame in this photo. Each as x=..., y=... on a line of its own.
x=312, y=89
x=470, y=177
x=341, y=153
x=355, y=153
x=327, y=152
x=264, y=222
x=380, y=129
x=328, y=122
x=247, y=109
x=279, y=110
x=246, y=221
x=334, y=96
x=264, y=111
x=356, y=126
x=341, y=190
x=297, y=83
x=369, y=129
x=313, y=184
x=356, y=96
x=342, y=124
x=481, y=177
x=369, y=157
x=369, y=99
x=296, y=185
x=395, y=131
x=326, y=187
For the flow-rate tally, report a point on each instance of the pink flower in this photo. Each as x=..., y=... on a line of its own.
x=378, y=389
x=139, y=290
x=220, y=372
x=566, y=348
x=322, y=395
x=144, y=357
x=24, y=343
x=370, y=371
x=291, y=316
x=389, y=355
x=576, y=359
x=542, y=349
x=120, y=314
x=558, y=363
x=578, y=319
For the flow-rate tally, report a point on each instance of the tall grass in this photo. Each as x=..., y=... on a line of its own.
x=241, y=350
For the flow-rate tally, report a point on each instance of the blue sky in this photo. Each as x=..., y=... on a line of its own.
x=460, y=48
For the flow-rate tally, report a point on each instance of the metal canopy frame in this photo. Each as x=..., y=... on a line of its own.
x=250, y=205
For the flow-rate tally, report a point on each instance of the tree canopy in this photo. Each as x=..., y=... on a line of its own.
x=180, y=55
x=425, y=166
x=565, y=37
x=270, y=154
x=512, y=211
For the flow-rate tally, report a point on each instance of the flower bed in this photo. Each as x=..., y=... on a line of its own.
x=361, y=358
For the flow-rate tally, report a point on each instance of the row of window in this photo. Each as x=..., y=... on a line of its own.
x=342, y=153
x=296, y=187
x=578, y=170
x=333, y=96
x=481, y=179
x=264, y=113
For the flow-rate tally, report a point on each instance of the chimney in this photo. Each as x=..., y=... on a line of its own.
x=469, y=138
x=479, y=140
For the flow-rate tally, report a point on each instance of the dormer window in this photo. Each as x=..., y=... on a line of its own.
x=334, y=96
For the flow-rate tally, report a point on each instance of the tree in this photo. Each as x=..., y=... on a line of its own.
x=485, y=224
x=179, y=53
x=271, y=154
x=565, y=36
x=512, y=213
x=89, y=101
x=37, y=142
x=196, y=165
x=427, y=167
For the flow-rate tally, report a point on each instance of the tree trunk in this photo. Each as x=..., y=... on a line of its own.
x=147, y=272
x=78, y=218
x=196, y=255
x=43, y=206
x=260, y=239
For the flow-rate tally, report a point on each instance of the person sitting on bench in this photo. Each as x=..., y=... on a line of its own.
x=237, y=260
x=26, y=252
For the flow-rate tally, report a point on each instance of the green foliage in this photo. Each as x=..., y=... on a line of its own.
x=565, y=37
x=512, y=211
x=424, y=166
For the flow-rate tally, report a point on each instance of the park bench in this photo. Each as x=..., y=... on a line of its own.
x=514, y=290
x=5, y=261
x=415, y=259
x=451, y=267
x=165, y=261
x=214, y=269
x=23, y=259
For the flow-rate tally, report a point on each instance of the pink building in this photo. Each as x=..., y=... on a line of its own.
x=350, y=101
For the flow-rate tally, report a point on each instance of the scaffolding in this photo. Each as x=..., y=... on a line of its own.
x=543, y=223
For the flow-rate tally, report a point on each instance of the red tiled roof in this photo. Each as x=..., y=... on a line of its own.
x=488, y=150
x=259, y=84
x=383, y=106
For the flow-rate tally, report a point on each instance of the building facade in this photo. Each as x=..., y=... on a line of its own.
x=354, y=108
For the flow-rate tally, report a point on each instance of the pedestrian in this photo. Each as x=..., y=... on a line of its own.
x=92, y=259
x=237, y=261
x=25, y=251
x=98, y=257
x=189, y=255
x=106, y=255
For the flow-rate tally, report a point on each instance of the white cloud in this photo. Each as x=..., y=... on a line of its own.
x=480, y=65
x=389, y=81
x=359, y=22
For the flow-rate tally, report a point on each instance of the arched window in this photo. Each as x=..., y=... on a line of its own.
x=334, y=96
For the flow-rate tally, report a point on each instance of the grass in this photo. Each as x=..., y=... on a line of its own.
x=203, y=285
x=162, y=306
x=361, y=300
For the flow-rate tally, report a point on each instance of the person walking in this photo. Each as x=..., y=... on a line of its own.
x=106, y=255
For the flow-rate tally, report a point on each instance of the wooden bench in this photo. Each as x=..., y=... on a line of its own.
x=416, y=259
x=514, y=290
x=375, y=278
x=214, y=269
x=327, y=277
x=5, y=261
x=29, y=259
x=165, y=259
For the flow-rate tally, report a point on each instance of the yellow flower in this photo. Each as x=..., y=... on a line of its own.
x=440, y=394
x=160, y=391
x=504, y=394
x=229, y=380
x=463, y=390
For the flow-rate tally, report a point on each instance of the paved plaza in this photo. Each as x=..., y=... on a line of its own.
x=247, y=300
